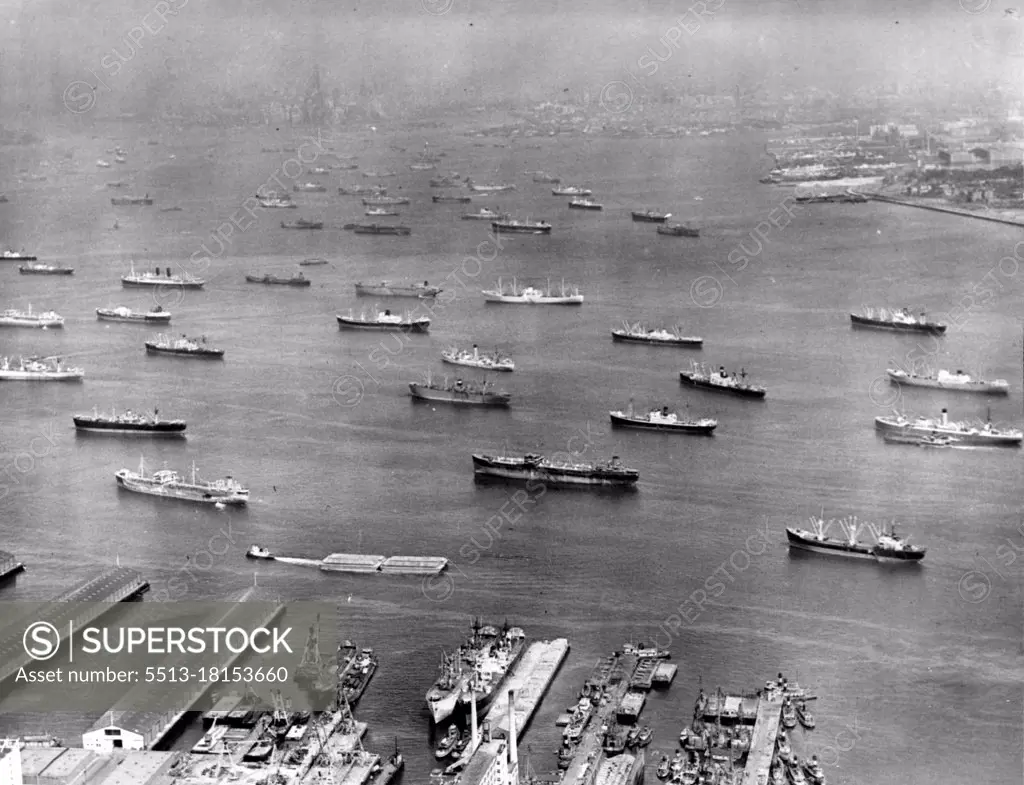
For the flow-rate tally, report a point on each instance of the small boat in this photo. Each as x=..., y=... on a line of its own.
x=721, y=381
x=302, y=223
x=645, y=736
x=944, y=380
x=966, y=433
x=447, y=745
x=385, y=321
x=121, y=158
x=474, y=359
x=584, y=204
x=646, y=652
x=45, y=269
x=454, y=199
x=296, y=280
x=571, y=190
x=310, y=188
x=38, y=369
x=103, y=164
x=381, y=229
x=664, y=768
x=131, y=201
x=804, y=715
x=515, y=226
x=129, y=423
x=273, y=201
x=920, y=441
x=485, y=214
x=814, y=771
x=533, y=296
x=650, y=216
x=902, y=320
x=380, y=211
x=385, y=289
x=384, y=201
x=12, y=317
x=459, y=392
x=637, y=333
x=122, y=314
x=10, y=255
x=678, y=230
x=258, y=552
x=185, y=281
x=662, y=420
x=183, y=347
x=314, y=262
x=789, y=720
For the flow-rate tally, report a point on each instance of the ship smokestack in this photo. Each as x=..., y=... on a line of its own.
x=945, y=418
x=513, y=753
x=472, y=720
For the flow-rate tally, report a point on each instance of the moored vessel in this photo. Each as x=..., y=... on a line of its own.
x=535, y=467
x=516, y=226
x=662, y=420
x=128, y=422
x=363, y=190
x=544, y=177
x=183, y=347
x=384, y=201
x=571, y=190
x=387, y=289
x=901, y=320
x=441, y=198
x=650, y=216
x=122, y=314
x=531, y=295
x=185, y=281
x=945, y=380
x=489, y=188
x=272, y=201
x=45, y=269
x=721, y=381
x=302, y=223
x=14, y=317
x=296, y=280
x=38, y=369
x=384, y=321
x=888, y=546
x=171, y=485
x=381, y=229
x=980, y=434
x=678, y=230
x=383, y=212
x=584, y=204
x=10, y=255
x=313, y=262
x=637, y=333
x=131, y=201
x=311, y=188
x=485, y=214
x=920, y=440
x=473, y=358
x=460, y=392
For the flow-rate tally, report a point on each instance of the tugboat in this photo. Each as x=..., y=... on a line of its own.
x=678, y=230
x=385, y=289
x=45, y=269
x=584, y=204
x=171, y=485
x=803, y=714
x=642, y=652
x=645, y=736
x=473, y=359
x=902, y=320
x=440, y=199
x=533, y=296
x=788, y=715
x=515, y=226
x=662, y=420
x=310, y=188
x=888, y=546
x=485, y=214
x=38, y=369
x=636, y=333
x=271, y=201
x=965, y=433
x=131, y=201
x=447, y=744
x=944, y=380
x=10, y=255
x=571, y=190
x=122, y=314
x=381, y=212
x=12, y=317
x=183, y=347
x=385, y=321
x=259, y=552
x=381, y=229
x=295, y=280
x=185, y=281
x=384, y=201
x=302, y=223
x=813, y=771
x=533, y=466
x=459, y=392
x=720, y=381
x=650, y=216
x=129, y=422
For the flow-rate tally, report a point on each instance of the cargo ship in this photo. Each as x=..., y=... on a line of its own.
x=129, y=422
x=384, y=321
x=302, y=223
x=444, y=182
x=571, y=190
x=313, y=262
x=185, y=281
x=474, y=359
x=637, y=333
x=381, y=212
x=440, y=199
x=532, y=296
x=10, y=255
x=533, y=466
x=485, y=214
x=45, y=269
x=662, y=420
x=381, y=200
x=489, y=189
x=12, y=317
x=888, y=546
x=295, y=280
x=171, y=485
x=310, y=188
x=650, y=216
x=902, y=320
x=721, y=381
x=362, y=190
x=585, y=204
x=966, y=433
x=38, y=369
x=184, y=347
x=544, y=177
x=122, y=314
x=422, y=167
x=373, y=174
x=477, y=669
x=944, y=380
x=280, y=202
x=356, y=677
x=515, y=226
x=386, y=289
x=678, y=230
x=131, y=201
x=459, y=393
x=381, y=229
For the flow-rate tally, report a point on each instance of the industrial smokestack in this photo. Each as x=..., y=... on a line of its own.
x=513, y=753
x=472, y=720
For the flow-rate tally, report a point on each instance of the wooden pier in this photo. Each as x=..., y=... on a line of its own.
x=762, y=740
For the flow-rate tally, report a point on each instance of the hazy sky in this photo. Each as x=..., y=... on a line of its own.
x=500, y=48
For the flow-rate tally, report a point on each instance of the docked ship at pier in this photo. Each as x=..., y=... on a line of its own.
x=944, y=380
x=477, y=670
x=531, y=295
x=966, y=433
x=721, y=381
x=638, y=333
x=534, y=467
x=887, y=546
x=460, y=392
x=902, y=320
x=130, y=423
x=13, y=317
x=171, y=485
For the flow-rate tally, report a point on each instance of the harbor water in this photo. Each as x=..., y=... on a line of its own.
x=919, y=670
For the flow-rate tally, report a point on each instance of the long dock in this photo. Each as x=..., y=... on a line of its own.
x=530, y=680
x=372, y=563
x=762, y=740
x=939, y=208
x=72, y=610
x=9, y=565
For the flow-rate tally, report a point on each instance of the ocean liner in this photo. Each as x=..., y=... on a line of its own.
x=172, y=485
x=38, y=369
x=546, y=471
x=386, y=289
x=130, y=423
x=185, y=281
x=637, y=333
x=479, y=668
x=45, y=269
x=532, y=296
x=888, y=546
x=12, y=317
x=721, y=381
x=944, y=380
x=184, y=347
x=966, y=434
x=902, y=320
x=122, y=314
x=460, y=393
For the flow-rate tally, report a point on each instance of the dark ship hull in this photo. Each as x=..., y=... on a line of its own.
x=356, y=324
x=619, y=335
x=649, y=219
x=564, y=476
x=459, y=397
x=205, y=354
x=106, y=425
x=677, y=427
x=885, y=324
x=278, y=281
x=453, y=199
x=299, y=225
x=742, y=392
x=46, y=270
x=129, y=202
x=852, y=551
x=507, y=228
x=19, y=258
x=678, y=231
x=377, y=229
